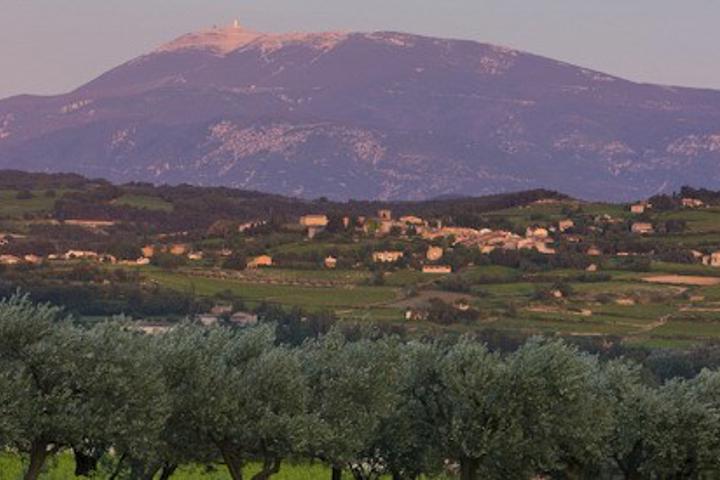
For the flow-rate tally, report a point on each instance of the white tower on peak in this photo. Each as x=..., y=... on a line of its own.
x=236, y=23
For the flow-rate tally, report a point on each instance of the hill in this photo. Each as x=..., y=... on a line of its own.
x=381, y=115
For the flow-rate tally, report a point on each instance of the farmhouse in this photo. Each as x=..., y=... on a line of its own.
x=152, y=328
x=243, y=319
x=314, y=224
x=221, y=310
x=33, y=259
x=437, y=269
x=712, y=260
x=412, y=220
x=134, y=263
x=9, y=260
x=692, y=203
x=387, y=256
x=462, y=235
x=564, y=225
x=386, y=226
x=260, y=261
x=415, y=315
x=330, y=262
x=542, y=247
x=179, y=249
x=385, y=215
x=207, y=319
x=91, y=224
x=537, y=232
x=316, y=221
x=525, y=244
x=148, y=251
x=107, y=258
x=594, y=252
x=642, y=228
x=638, y=208
x=244, y=227
x=73, y=254
x=195, y=256
x=434, y=253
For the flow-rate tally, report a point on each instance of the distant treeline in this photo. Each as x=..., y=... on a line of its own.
x=363, y=403
x=196, y=207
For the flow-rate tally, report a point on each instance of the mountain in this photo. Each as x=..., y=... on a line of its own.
x=380, y=115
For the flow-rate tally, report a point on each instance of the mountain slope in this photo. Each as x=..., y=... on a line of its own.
x=381, y=115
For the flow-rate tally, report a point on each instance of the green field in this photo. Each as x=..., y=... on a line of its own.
x=698, y=220
x=593, y=308
x=322, y=275
x=62, y=467
x=144, y=201
x=313, y=298
x=10, y=206
x=548, y=214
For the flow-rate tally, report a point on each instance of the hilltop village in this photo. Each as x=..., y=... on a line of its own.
x=522, y=263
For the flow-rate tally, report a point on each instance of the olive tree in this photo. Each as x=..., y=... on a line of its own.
x=354, y=392
x=125, y=404
x=235, y=393
x=68, y=387
x=566, y=403
x=665, y=432
x=689, y=430
x=407, y=440
x=478, y=418
x=521, y=415
x=38, y=345
x=696, y=430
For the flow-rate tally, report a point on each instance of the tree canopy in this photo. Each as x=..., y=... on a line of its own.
x=367, y=404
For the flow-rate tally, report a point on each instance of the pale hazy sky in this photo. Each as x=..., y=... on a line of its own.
x=52, y=46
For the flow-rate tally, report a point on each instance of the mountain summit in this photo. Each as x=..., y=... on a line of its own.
x=220, y=40
x=225, y=40
x=368, y=115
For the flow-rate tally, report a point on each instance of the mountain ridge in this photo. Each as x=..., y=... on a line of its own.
x=384, y=115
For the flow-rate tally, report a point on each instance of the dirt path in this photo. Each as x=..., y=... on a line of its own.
x=651, y=326
x=642, y=330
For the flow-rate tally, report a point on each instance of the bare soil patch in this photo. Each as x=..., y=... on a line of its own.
x=423, y=298
x=684, y=280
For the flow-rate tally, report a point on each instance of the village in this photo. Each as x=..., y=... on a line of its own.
x=521, y=263
x=540, y=238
